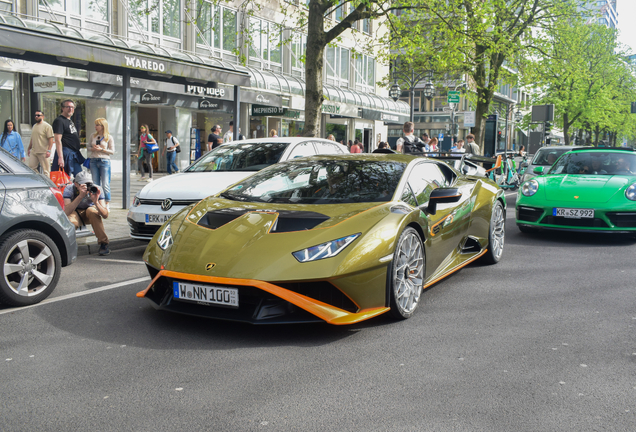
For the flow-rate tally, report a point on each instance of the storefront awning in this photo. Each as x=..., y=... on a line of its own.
x=292, y=85
x=51, y=43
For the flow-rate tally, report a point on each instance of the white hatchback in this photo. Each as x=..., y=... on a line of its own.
x=213, y=172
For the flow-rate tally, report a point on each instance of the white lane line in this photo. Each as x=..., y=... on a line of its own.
x=511, y=194
x=116, y=260
x=78, y=294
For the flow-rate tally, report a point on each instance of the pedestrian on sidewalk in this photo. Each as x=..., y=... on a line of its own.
x=39, y=150
x=84, y=205
x=67, y=141
x=170, y=150
x=144, y=157
x=11, y=141
x=100, y=149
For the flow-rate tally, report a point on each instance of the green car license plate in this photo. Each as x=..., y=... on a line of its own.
x=210, y=294
x=573, y=213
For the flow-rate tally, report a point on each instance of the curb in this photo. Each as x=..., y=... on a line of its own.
x=116, y=244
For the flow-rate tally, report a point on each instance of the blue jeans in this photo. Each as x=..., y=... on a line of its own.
x=172, y=166
x=100, y=170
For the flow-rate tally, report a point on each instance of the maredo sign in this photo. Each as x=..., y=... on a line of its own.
x=144, y=64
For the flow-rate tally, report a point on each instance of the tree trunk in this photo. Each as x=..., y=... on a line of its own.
x=566, y=129
x=314, y=70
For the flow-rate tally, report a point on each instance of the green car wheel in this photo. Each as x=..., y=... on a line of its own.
x=407, y=274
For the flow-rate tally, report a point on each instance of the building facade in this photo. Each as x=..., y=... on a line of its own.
x=189, y=64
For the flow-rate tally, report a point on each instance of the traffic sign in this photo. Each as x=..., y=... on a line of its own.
x=440, y=136
x=453, y=96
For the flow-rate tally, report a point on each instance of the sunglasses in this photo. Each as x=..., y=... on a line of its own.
x=38, y=115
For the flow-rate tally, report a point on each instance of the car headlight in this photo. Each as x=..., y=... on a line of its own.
x=136, y=201
x=165, y=238
x=530, y=188
x=630, y=193
x=324, y=250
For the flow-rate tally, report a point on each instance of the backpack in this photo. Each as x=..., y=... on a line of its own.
x=415, y=146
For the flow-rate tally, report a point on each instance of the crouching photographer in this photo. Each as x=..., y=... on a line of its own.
x=84, y=205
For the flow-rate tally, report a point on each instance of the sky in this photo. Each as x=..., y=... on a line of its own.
x=626, y=13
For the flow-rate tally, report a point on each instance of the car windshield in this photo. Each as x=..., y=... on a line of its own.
x=547, y=156
x=240, y=157
x=321, y=182
x=596, y=163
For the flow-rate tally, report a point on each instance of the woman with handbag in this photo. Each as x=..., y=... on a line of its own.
x=171, y=149
x=100, y=148
x=145, y=155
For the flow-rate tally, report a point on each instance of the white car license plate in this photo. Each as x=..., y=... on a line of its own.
x=157, y=218
x=205, y=294
x=573, y=213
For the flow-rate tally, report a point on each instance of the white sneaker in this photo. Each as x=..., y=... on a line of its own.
x=150, y=179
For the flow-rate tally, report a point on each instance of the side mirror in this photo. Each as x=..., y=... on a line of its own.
x=538, y=170
x=442, y=195
x=524, y=164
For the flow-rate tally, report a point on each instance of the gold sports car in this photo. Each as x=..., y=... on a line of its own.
x=339, y=239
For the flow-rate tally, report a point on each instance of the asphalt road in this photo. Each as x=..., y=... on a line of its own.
x=543, y=341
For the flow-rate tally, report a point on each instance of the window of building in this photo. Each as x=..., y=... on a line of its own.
x=365, y=72
x=265, y=43
x=366, y=26
x=337, y=66
x=340, y=12
x=217, y=25
x=157, y=18
x=89, y=14
x=6, y=5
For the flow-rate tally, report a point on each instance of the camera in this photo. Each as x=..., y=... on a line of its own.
x=92, y=188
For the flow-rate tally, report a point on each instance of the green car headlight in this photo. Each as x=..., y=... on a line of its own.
x=630, y=193
x=325, y=250
x=530, y=188
x=165, y=238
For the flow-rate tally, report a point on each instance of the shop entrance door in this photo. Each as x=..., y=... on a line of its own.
x=149, y=116
x=368, y=140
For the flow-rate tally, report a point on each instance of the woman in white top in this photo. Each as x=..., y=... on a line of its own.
x=100, y=148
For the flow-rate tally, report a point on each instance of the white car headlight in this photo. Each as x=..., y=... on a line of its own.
x=325, y=250
x=165, y=238
x=630, y=193
x=136, y=201
x=530, y=188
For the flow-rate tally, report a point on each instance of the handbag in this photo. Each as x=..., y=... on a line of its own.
x=152, y=148
x=61, y=179
x=177, y=149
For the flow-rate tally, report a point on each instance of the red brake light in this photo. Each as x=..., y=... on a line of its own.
x=58, y=196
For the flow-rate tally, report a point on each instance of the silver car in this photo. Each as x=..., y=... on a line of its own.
x=545, y=157
x=213, y=172
x=36, y=237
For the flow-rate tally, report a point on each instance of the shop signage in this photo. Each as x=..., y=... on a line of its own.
x=339, y=108
x=145, y=64
x=48, y=84
x=291, y=113
x=152, y=97
x=260, y=98
x=383, y=116
x=212, y=91
x=206, y=104
x=469, y=119
x=264, y=110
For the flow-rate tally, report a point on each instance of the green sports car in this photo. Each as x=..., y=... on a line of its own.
x=336, y=239
x=587, y=189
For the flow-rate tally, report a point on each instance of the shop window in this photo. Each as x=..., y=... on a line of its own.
x=90, y=14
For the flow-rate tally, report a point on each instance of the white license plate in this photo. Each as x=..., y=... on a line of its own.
x=205, y=294
x=573, y=213
x=157, y=218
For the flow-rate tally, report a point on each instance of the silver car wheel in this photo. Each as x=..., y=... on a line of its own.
x=408, y=272
x=497, y=231
x=29, y=267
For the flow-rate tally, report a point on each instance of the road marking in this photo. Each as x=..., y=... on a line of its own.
x=511, y=194
x=78, y=294
x=116, y=260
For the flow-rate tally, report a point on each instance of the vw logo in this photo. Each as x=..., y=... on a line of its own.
x=210, y=266
x=166, y=204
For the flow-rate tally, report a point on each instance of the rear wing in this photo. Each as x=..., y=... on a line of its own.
x=467, y=163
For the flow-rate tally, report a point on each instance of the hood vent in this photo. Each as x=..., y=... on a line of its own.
x=287, y=220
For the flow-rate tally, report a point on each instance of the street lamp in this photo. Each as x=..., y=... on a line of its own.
x=518, y=116
x=411, y=79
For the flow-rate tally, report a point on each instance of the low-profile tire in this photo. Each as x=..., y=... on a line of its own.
x=406, y=277
x=527, y=229
x=31, y=265
x=496, y=234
